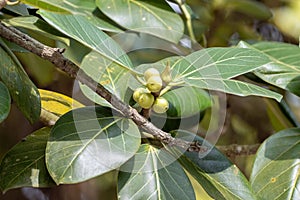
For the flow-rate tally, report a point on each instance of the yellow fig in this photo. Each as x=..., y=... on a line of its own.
x=154, y=83
x=161, y=105
x=146, y=100
x=151, y=72
x=138, y=92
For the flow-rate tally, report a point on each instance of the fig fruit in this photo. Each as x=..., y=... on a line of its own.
x=161, y=105
x=146, y=100
x=151, y=72
x=154, y=83
x=138, y=92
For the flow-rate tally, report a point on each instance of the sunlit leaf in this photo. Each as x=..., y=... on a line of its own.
x=217, y=175
x=44, y=5
x=284, y=67
x=275, y=173
x=4, y=102
x=109, y=74
x=24, y=164
x=81, y=29
x=211, y=68
x=21, y=89
x=63, y=6
x=88, y=142
x=148, y=175
x=54, y=105
x=141, y=16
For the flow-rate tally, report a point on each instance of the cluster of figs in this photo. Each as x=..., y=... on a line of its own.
x=150, y=97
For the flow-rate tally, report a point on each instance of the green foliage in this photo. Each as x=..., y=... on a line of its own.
x=85, y=142
x=4, y=102
x=24, y=165
x=152, y=174
x=20, y=87
x=275, y=173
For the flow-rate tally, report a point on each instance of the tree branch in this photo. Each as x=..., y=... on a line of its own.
x=55, y=56
x=237, y=150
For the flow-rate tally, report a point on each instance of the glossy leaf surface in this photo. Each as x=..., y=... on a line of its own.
x=24, y=165
x=148, y=175
x=21, y=88
x=62, y=6
x=275, y=173
x=142, y=16
x=284, y=69
x=217, y=175
x=88, y=142
x=4, y=102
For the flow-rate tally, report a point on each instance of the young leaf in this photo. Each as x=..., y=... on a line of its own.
x=21, y=89
x=144, y=17
x=217, y=175
x=275, y=173
x=4, y=102
x=24, y=165
x=284, y=67
x=88, y=142
x=148, y=176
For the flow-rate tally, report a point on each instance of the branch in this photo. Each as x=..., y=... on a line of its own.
x=55, y=56
x=238, y=150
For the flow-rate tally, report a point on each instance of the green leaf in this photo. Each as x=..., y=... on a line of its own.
x=275, y=173
x=109, y=74
x=20, y=9
x=81, y=29
x=217, y=175
x=63, y=6
x=141, y=16
x=47, y=5
x=199, y=100
x=24, y=165
x=284, y=67
x=4, y=102
x=21, y=89
x=211, y=68
x=148, y=175
x=88, y=142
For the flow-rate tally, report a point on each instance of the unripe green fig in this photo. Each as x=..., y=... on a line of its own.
x=161, y=105
x=154, y=83
x=146, y=100
x=138, y=92
x=151, y=72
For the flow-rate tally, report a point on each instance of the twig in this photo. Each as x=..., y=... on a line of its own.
x=235, y=149
x=55, y=56
x=188, y=17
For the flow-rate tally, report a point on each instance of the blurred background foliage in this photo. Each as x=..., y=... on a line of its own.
x=215, y=23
